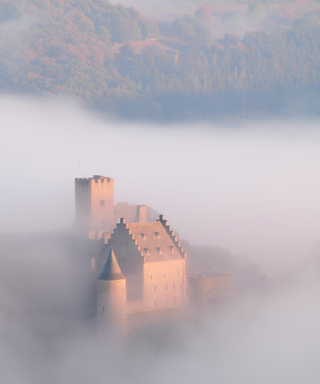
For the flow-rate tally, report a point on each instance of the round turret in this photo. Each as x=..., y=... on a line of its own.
x=112, y=298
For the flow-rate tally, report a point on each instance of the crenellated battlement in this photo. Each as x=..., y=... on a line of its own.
x=96, y=179
x=94, y=204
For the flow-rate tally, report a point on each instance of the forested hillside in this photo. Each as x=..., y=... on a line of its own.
x=114, y=59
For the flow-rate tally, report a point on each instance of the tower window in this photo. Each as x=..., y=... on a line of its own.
x=102, y=309
x=151, y=277
x=178, y=274
x=102, y=203
x=155, y=288
x=174, y=286
x=164, y=275
x=181, y=288
x=166, y=287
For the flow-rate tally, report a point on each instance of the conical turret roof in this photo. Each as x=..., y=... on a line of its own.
x=111, y=270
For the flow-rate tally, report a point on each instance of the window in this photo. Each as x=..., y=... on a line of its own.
x=157, y=234
x=143, y=235
x=155, y=304
x=155, y=288
x=166, y=287
x=166, y=302
x=174, y=286
x=102, y=309
x=171, y=248
x=147, y=251
x=151, y=277
x=102, y=203
x=159, y=249
x=175, y=301
x=164, y=275
x=178, y=274
x=99, y=291
x=181, y=288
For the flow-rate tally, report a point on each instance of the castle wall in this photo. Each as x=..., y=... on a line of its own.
x=131, y=213
x=94, y=204
x=126, y=211
x=112, y=306
x=207, y=288
x=164, y=285
x=129, y=259
x=102, y=204
x=83, y=204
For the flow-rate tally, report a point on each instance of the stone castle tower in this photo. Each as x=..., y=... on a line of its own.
x=112, y=298
x=94, y=203
x=96, y=213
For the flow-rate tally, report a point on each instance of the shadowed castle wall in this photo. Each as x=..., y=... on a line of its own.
x=129, y=259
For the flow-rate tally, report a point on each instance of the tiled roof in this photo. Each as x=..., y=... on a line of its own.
x=156, y=241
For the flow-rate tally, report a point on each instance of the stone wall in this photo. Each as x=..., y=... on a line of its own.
x=164, y=285
x=205, y=288
x=112, y=306
x=129, y=259
x=94, y=203
x=102, y=204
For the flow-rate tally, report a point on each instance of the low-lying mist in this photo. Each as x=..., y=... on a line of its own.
x=252, y=189
x=271, y=339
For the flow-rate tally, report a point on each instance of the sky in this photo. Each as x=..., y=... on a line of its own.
x=252, y=189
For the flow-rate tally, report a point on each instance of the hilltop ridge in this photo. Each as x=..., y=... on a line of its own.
x=117, y=61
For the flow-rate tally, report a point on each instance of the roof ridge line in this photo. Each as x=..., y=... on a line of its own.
x=172, y=236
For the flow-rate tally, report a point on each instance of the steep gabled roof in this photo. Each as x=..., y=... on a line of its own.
x=156, y=241
x=111, y=270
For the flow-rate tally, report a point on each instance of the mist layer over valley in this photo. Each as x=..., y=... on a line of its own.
x=252, y=189
x=207, y=113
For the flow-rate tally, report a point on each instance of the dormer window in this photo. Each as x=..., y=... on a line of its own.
x=143, y=235
x=171, y=248
x=157, y=234
x=147, y=251
x=159, y=249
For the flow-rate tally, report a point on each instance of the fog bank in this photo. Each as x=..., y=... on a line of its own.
x=251, y=189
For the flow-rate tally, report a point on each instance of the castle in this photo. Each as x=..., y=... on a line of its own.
x=142, y=265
